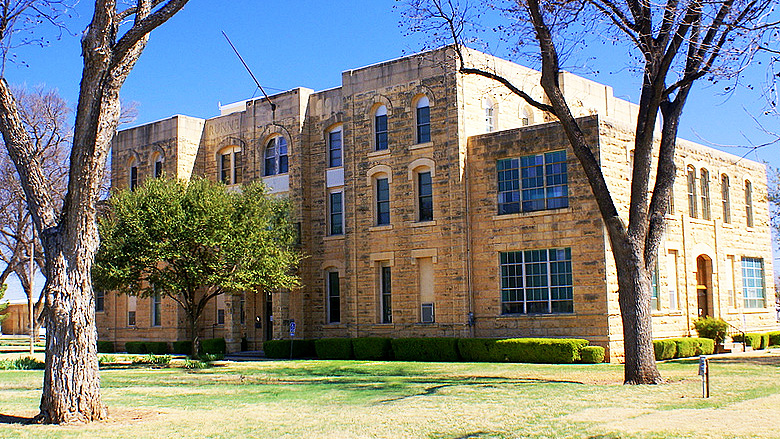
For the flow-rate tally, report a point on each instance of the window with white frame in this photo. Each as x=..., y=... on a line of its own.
x=536, y=282
x=753, y=282
x=531, y=183
x=335, y=144
x=385, y=293
x=275, y=157
x=336, y=213
x=423, y=120
x=655, y=303
x=230, y=165
x=490, y=116
x=333, y=288
x=704, y=183
x=749, y=203
x=380, y=128
x=672, y=277
x=692, y=204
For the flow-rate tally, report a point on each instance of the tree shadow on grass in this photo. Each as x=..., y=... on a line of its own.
x=768, y=360
x=11, y=419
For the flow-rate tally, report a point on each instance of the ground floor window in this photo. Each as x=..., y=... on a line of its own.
x=334, y=297
x=385, y=294
x=536, y=282
x=753, y=282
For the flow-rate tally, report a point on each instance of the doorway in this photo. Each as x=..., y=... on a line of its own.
x=269, y=317
x=704, y=286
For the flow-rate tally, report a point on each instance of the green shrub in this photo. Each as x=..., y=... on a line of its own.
x=156, y=347
x=183, y=347
x=105, y=347
x=333, y=348
x=135, y=347
x=281, y=349
x=213, y=346
x=757, y=341
x=704, y=346
x=26, y=363
x=774, y=338
x=522, y=350
x=372, y=348
x=712, y=328
x=764, y=341
x=478, y=349
x=592, y=354
x=664, y=349
x=425, y=349
x=686, y=347
x=152, y=360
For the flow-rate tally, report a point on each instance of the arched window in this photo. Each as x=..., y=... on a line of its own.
x=490, y=117
x=423, y=120
x=333, y=302
x=275, y=156
x=704, y=183
x=749, y=203
x=692, y=205
x=230, y=165
x=380, y=128
x=380, y=178
x=725, y=197
x=526, y=116
x=132, y=180
x=157, y=165
x=421, y=172
x=335, y=144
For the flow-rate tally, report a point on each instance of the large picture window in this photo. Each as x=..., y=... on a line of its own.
x=534, y=182
x=753, y=282
x=536, y=282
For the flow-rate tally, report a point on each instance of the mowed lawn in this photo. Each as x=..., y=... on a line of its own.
x=359, y=399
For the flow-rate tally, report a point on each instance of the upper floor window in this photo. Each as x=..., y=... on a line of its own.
x=704, y=183
x=536, y=282
x=424, y=196
x=490, y=117
x=753, y=282
x=276, y=161
x=336, y=213
x=335, y=147
x=534, y=182
x=749, y=203
x=230, y=165
x=156, y=310
x=133, y=177
x=423, y=120
x=692, y=205
x=157, y=165
x=526, y=116
x=382, y=201
x=726, y=198
x=380, y=128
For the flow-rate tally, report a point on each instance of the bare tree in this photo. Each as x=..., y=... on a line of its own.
x=44, y=115
x=675, y=43
x=111, y=45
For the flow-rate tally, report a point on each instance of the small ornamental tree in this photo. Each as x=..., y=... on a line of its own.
x=192, y=241
x=3, y=305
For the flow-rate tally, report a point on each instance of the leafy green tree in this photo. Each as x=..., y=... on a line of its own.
x=192, y=241
x=3, y=305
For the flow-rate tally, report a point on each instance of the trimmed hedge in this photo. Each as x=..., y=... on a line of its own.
x=664, y=349
x=105, y=347
x=146, y=347
x=213, y=346
x=705, y=346
x=686, y=347
x=372, y=348
x=281, y=349
x=592, y=354
x=425, y=349
x=182, y=347
x=774, y=338
x=757, y=341
x=522, y=350
x=333, y=348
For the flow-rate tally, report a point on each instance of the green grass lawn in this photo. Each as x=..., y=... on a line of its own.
x=358, y=399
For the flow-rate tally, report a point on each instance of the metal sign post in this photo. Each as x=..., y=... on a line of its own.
x=292, y=336
x=704, y=371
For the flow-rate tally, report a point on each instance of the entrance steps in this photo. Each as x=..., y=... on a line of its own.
x=246, y=356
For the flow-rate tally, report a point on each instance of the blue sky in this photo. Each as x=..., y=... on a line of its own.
x=188, y=67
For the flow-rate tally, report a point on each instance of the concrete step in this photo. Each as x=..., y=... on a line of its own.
x=246, y=356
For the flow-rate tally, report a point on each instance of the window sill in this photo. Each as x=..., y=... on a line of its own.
x=569, y=315
x=421, y=146
x=535, y=213
x=667, y=313
x=380, y=228
x=727, y=225
x=422, y=223
x=757, y=310
x=703, y=222
x=380, y=153
x=333, y=237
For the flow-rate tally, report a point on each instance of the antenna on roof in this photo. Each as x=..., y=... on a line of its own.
x=273, y=106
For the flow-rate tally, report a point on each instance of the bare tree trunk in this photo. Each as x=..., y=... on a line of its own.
x=192, y=321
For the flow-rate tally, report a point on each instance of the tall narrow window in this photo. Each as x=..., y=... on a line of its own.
x=382, y=201
x=336, y=213
x=725, y=197
x=425, y=196
x=655, y=304
x=133, y=177
x=131, y=308
x=672, y=277
x=334, y=297
x=490, y=117
x=692, y=205
x=704, y=182
x=334, y=148
x=230, y=165
x=276, y=161
x=749, y=203
x=525, y=116
x=426, y=281
x=100, y=301
x=423, y=120
x=380, y=128
x=753, y=282
x=730, y=280
x=385, y=293
x=158, y=167
x=156, y=317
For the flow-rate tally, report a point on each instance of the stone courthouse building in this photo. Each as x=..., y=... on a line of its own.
x=432, y=203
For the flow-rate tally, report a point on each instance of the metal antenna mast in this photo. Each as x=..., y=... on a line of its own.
x=273, y=106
